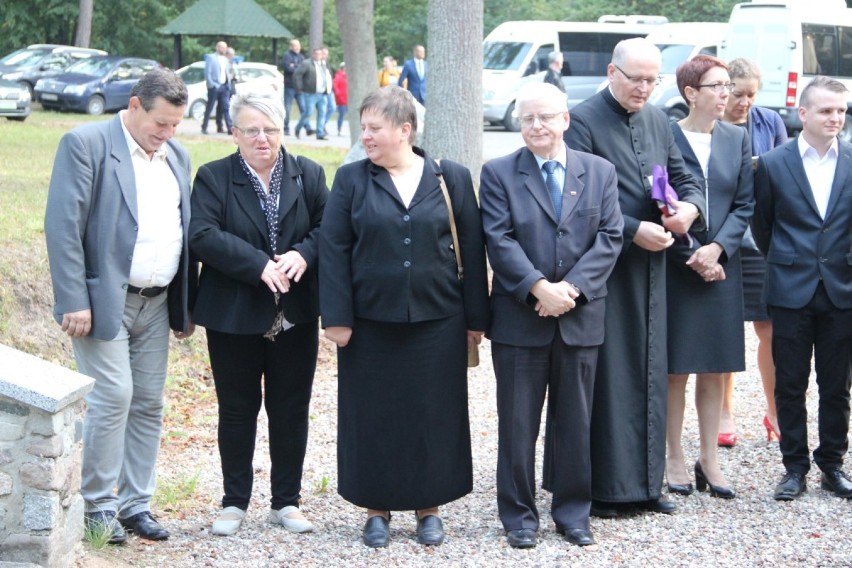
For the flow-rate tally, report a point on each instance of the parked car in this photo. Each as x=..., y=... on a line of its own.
x=93, y=85
x=15, y=102
x=37, y=61
x=251, y=76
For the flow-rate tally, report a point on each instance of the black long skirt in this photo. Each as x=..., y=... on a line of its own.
x=403, y=439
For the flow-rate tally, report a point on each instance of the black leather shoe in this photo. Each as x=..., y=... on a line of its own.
x=792, y=485
x=376, y=532
x=836, y=481
x=521, y=538
x=204, y=131
x=144, y=525
x=577, y=537
x=309, y=132
x=684, y=489
x=430, y=530
x=604, y=510
x=100, y=521
x=661, y=505
x=323, y=137
x=703, y=483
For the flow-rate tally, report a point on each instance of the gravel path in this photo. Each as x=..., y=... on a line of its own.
x=752, y=530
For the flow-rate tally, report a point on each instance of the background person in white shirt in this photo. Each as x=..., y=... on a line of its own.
x=802, y=220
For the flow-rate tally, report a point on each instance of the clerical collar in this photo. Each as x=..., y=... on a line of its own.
x=613, y=103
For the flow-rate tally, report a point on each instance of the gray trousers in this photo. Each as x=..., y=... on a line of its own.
x=124, y=410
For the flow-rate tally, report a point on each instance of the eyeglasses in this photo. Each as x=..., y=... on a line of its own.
x=650, y=81
x=545, y=119
x=718, y=87
x=255, y=132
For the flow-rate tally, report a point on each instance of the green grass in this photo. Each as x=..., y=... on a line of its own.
x=173, y=494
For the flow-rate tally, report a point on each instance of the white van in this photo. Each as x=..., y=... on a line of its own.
x=680, y=42
x=516, y=53
x=792, y=41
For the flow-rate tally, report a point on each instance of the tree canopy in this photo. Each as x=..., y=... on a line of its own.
x=399, y=24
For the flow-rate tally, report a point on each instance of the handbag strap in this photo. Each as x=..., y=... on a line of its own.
x=452, y=224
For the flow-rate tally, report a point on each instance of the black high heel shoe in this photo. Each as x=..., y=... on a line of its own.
x=684, y=489
x=702, y=483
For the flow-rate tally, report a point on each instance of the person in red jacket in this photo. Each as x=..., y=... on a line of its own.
x=341, y=97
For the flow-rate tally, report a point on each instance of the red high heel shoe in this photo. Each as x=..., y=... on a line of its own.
x=770, y=430
x=726, y=439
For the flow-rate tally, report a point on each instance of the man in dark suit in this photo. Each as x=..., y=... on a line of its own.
x=803, y=224
x=414, y=72
x=116, y=230
x=553, y=229
x=554, y=70
x=291, y=61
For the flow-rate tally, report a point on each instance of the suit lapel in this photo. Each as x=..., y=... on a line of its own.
x=382, y=180
x=532, y=180
x=124, y=167
x=841, y=175
x=797, y=171
x=183, y=186
x=574, y=185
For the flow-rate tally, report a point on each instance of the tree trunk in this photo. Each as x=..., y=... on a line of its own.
x=359, y=51
x=84, y=24
x=453, y=128
x=316, y=31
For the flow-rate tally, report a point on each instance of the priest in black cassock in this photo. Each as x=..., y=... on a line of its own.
x=628, y=429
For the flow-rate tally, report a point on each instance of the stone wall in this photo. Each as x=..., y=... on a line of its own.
x=41, y=427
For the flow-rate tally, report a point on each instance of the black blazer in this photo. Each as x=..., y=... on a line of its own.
x=801, y=247
x=383, y=262
x=228, y=234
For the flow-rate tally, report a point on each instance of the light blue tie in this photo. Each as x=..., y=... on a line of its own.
x=553, y=186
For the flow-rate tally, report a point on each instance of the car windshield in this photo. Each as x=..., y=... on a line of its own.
x=673, y=55
x=95, y=66
x=24, y=57
x=504, y=55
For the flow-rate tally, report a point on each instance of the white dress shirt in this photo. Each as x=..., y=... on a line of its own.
x=820, y=171
x=159, y=234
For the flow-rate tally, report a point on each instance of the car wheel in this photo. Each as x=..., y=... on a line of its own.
x=676, y=113
x=510, y=121
x=846, y=133
x=95, y=105
x=197, y=108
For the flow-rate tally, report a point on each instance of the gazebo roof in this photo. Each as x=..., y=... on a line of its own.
x=226, y=18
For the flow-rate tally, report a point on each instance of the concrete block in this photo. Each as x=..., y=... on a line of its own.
x=42, y=474
x=6, y=483
x=26, y=548
x=40, y=511
x=39, y=383
x=73, y=529
x=49, y=447
x=46, y=424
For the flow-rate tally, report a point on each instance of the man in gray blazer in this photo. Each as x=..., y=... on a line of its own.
x=116, y=230
x=553, y=228
x=803, y=224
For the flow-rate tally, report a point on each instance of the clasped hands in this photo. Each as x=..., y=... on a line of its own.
x=283, y=269
x=554, y=298
x=705, y=261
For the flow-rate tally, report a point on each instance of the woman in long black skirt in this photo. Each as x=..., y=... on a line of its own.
x=392, y=300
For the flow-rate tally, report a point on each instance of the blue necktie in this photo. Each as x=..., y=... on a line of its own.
x=553, y=186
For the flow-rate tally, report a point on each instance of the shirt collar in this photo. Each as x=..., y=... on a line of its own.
x=804, y=148
x=561, y=157
x=134, y=147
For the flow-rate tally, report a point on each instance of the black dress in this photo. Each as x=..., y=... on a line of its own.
x=389, y=272
x=705, y=319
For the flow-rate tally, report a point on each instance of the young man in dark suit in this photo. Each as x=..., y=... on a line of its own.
x=553, y=229
x=803, y=224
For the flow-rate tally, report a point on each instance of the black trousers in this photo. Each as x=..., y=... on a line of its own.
x=524, y=375
x=825, y=331
x=285, y=368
